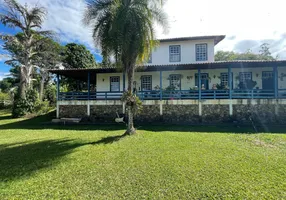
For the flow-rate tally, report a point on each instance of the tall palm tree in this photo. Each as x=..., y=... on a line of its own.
x=125, y=29
x=23, y=47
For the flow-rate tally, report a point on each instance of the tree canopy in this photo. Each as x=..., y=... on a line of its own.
x=78, y=56
x=264, y=54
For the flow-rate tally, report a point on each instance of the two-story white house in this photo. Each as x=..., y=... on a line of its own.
x=182, y=83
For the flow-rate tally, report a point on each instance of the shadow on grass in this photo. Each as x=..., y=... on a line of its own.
x=108, y=140
x=24, y=160
x=39, y=123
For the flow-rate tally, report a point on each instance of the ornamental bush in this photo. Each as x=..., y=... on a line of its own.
x=21, y=106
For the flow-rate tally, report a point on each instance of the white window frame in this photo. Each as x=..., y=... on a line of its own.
x=243, y=76
x=224, y=79
x=175, y=53
x=202, y=52
x=146, y=83
x=175, y=80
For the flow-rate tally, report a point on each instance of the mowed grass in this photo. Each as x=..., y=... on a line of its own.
x=92, y=162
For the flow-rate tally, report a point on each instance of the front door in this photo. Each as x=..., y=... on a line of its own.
x=204, y=81
x=267, y=81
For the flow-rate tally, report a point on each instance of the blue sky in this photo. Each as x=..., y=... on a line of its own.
x=247, y=24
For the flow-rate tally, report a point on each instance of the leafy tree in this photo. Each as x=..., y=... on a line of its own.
x=264, y=54
x=49, y=57
x=124, y=29
x=78, y=56
x=22, y=47
x=6, y=84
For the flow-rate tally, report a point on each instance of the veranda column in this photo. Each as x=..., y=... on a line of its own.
x=88, y=93
x=161, y=86
x=58, y=96
x=230, y=82
x=230, y=90
x=200, y=92
x=275, y=73
x=123, y=75
x=161, y=94
x=124, y=79
x=200, y=84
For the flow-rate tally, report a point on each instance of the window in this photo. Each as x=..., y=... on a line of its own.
x=245, y=81
x=114, y=83
x=204, y=81
x=267, y=75
x=224, y=79
x=175, y=81
x=245, y=76
x=175, y=53
x=201, y=52
x=146, y=83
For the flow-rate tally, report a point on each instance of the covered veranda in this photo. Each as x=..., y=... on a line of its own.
x=90, y=77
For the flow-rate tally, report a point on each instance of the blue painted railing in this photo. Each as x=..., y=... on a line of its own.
x=177, y=94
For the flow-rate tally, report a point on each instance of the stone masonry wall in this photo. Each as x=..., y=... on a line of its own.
x=106, y=113
x=72, y=111
x=263, y=112
x=181, y=114
x=149, y=114
x=259, y=113
x=215, y=113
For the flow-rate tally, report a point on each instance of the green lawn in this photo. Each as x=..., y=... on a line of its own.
x=91, y=162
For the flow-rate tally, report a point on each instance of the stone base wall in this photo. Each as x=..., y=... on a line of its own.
x=74, y=111
x=215, y=113
x=149, y=114
x=181, y=114
x=184, y=111
x=106, y=113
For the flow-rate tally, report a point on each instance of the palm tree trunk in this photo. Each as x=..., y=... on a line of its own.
x=42, y=84
x=130, y=127
x=23, y=85
x=44, y=76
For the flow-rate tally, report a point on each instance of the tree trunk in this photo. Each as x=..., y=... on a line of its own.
x=23, y=85
x=130, y=127
x=44, y=76
x=42, y=84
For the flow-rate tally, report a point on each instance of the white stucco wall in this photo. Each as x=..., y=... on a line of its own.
x=160, y=55
x=103, y=81
x=188, y=79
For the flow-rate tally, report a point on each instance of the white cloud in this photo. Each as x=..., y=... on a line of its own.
x=3, y=75
x=242, y=21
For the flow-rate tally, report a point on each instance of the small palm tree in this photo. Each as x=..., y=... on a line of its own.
x=23, y=47
x=125, y=29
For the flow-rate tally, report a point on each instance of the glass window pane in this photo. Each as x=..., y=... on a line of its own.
x=201, y=52
x=175, y=81
x=146, y=83
x=114, y=83
x=175, y=53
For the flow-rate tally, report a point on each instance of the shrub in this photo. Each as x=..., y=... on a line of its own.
x=4, y=97
x=42, y=107
x=132, y=101
x=51, y=94
x=25, y=106
x=247, y=85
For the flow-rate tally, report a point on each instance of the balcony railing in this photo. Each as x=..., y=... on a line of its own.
x=177, y=94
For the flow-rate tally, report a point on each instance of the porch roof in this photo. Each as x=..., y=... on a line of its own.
x=82, y=73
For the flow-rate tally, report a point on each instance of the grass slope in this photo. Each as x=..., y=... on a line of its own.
x=93, y=162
